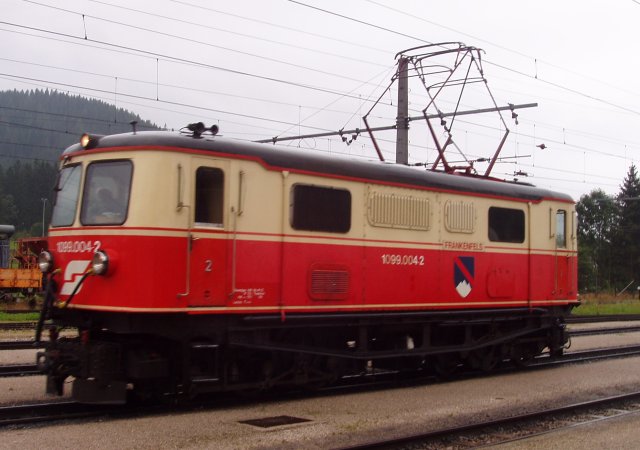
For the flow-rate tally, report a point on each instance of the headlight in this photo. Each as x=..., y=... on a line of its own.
x=100, y=262
x=89, y=141
x=45, y=261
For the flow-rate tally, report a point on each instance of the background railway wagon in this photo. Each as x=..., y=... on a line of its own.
x=19, y=272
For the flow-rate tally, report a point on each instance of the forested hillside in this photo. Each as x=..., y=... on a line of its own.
x=35, y=127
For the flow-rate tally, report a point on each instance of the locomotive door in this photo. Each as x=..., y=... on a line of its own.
x=208, y=263
x=561, y=255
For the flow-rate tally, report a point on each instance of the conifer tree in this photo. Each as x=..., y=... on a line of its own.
x=626, y=238
x=597, y=219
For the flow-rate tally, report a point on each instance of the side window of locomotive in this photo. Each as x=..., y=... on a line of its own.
x=506, y=225
x=67, y=190
x=561, y=228
x=105, y=198
x=315, y=208
x=209, y=196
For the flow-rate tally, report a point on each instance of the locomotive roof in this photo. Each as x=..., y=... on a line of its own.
x=313, y=161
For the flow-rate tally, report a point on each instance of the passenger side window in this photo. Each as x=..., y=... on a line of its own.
x=209, y=196
x=316, y=208
x=506, y=225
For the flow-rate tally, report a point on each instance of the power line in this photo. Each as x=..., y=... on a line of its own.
x=550, y=83
x=195, y=41
x=48, y=147
x=156, y=55
x=35, y=127
x=157, y=100
x=502, y=47
x=293, y=124
x=546, y=139
x=71, y=116
x=67, y=132
x=283, y=27
x=132, y=103
x=151, y=83
x=187, y=88
x=236, y=33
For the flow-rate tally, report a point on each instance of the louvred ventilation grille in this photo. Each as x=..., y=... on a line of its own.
x=328, y=283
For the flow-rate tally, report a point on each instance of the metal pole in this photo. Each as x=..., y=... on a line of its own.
x=44, y=205
x=402, y=120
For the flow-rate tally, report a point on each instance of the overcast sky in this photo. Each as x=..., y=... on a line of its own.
x=261, y=69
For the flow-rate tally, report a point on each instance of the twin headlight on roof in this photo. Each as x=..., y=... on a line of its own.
x=99, y=262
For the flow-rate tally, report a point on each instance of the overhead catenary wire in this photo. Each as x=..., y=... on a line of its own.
x=568, y=145
x=196, y=41
x=298, y=30
x=262, y=39
x=298, y=3
x=550, y=83
x=577, y=147
x=154, y=55
x=536, y=60
x=541, y=137
x=176, y=86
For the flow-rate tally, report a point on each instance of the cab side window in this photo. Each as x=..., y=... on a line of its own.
x=209, y=196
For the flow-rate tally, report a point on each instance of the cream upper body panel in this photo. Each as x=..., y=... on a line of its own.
x=257, y=198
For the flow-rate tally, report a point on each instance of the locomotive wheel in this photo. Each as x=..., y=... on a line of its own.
x=523, y=355
x=486, y=358
x=446, y=365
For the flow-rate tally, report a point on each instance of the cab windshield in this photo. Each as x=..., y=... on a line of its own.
x=105, y=198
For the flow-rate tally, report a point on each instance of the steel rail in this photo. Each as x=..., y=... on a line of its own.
x=493, y=423
x=30, y=325
x=599, y=331
x=604, y=318
x=19, y=370
x=20, y=345
x=55, y=411
x=19, y=311
x=588, y=355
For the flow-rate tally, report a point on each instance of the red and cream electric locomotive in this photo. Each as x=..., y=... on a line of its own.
x=193, y=263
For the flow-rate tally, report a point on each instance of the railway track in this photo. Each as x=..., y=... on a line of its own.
x=24, y=415
x=20, y=345
x=482, y=430
x=570, y=320
x=10, y=326
x=604, y=318
x=20, y=311
x=28, y=325
x=30, y=369
x=31, y=414
x=610, y=330
x=19, y=370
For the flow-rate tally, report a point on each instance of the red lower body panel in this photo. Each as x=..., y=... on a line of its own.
x=161, y=273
